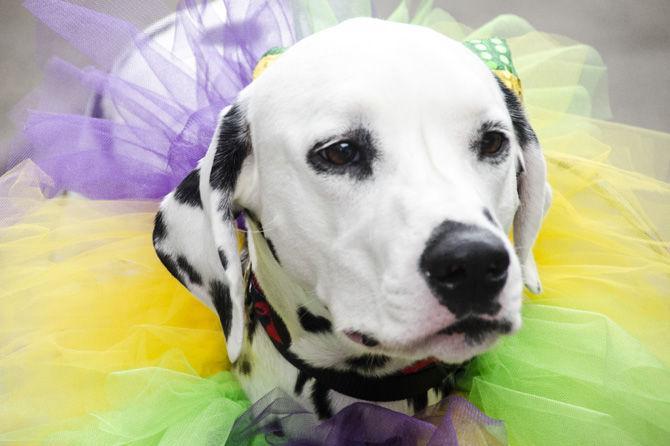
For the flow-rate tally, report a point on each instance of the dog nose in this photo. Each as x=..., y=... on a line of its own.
x=466, y=267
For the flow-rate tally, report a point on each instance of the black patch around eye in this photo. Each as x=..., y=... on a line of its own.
x=360, y=168
x=222, y=303
x=232, y=148
x=190, y=271
x=522, y=129
x=313, y=323
x=188, y=191
x=368, y=362
x=490, y=135
x=160, y=229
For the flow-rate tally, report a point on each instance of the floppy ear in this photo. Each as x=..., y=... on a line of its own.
x=194, y=233
x=533, y=189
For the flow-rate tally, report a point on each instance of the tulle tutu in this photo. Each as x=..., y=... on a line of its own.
x=99, y=345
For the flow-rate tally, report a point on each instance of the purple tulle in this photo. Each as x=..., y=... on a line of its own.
x=106, y=136
x=284, y=421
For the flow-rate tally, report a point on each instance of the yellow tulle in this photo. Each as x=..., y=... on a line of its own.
x=83, y=295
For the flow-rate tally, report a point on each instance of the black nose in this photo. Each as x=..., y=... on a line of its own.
x=466, y=267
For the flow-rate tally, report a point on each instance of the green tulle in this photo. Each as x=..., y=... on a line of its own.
x=157, y=406
x=573, y=377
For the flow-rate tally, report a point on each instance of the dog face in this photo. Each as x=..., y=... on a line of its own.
x=386, y=165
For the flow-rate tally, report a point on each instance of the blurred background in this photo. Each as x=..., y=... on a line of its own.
x=632, y=36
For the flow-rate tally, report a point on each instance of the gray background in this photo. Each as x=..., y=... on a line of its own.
x=633, y=38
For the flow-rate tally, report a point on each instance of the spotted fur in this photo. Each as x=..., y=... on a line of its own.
x=313, y=323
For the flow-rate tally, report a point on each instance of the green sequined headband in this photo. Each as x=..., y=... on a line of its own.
x=496, y=54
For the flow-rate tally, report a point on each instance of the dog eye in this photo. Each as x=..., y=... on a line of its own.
x=492, y=143
x=340, y=153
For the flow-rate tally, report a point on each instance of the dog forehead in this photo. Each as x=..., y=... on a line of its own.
x=369, y=64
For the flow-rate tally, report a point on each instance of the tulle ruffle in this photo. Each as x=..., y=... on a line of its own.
x=111, y=137
x=453, y=422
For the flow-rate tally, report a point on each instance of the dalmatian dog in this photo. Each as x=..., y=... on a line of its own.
x=377, y=169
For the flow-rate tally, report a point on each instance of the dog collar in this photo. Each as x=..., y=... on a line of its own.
x=495, y=53
x=409, y=382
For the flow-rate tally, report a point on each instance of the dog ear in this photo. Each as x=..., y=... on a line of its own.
x=532, y=187
x=195, y=233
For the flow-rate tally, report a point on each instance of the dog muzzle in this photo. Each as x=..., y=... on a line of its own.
x=268, y=289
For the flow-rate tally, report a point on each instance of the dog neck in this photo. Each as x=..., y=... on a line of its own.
x=301, y=330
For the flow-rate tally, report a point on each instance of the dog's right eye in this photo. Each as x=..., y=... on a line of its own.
x=350, y=153
x=340, y=154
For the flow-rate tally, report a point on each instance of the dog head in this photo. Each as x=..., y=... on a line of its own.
x=386, y=164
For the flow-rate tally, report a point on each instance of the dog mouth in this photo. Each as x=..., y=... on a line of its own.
x=477, y=329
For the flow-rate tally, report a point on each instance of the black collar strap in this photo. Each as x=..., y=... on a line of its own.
x=413, y=381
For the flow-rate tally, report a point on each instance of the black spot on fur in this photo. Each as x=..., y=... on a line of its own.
x=313, y=323
x=245, y=367
x=159, y=228
x=368, y=362
x=419, y=402
x=369, y=341
x=170, y=265
x=272, y=249
x=223, y=304
x=252, y=319
x=267, y=240
x=232, y=148
x=188, y=191
x=522, y=129
x=321, y=401
x=191, y=273
x=300, y=382
x=223, y=259
x=489, y=217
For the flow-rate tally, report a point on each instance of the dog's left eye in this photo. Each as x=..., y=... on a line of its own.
x=340, y=153
x=492, y=143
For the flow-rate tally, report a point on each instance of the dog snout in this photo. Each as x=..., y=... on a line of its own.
x=465, y=267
